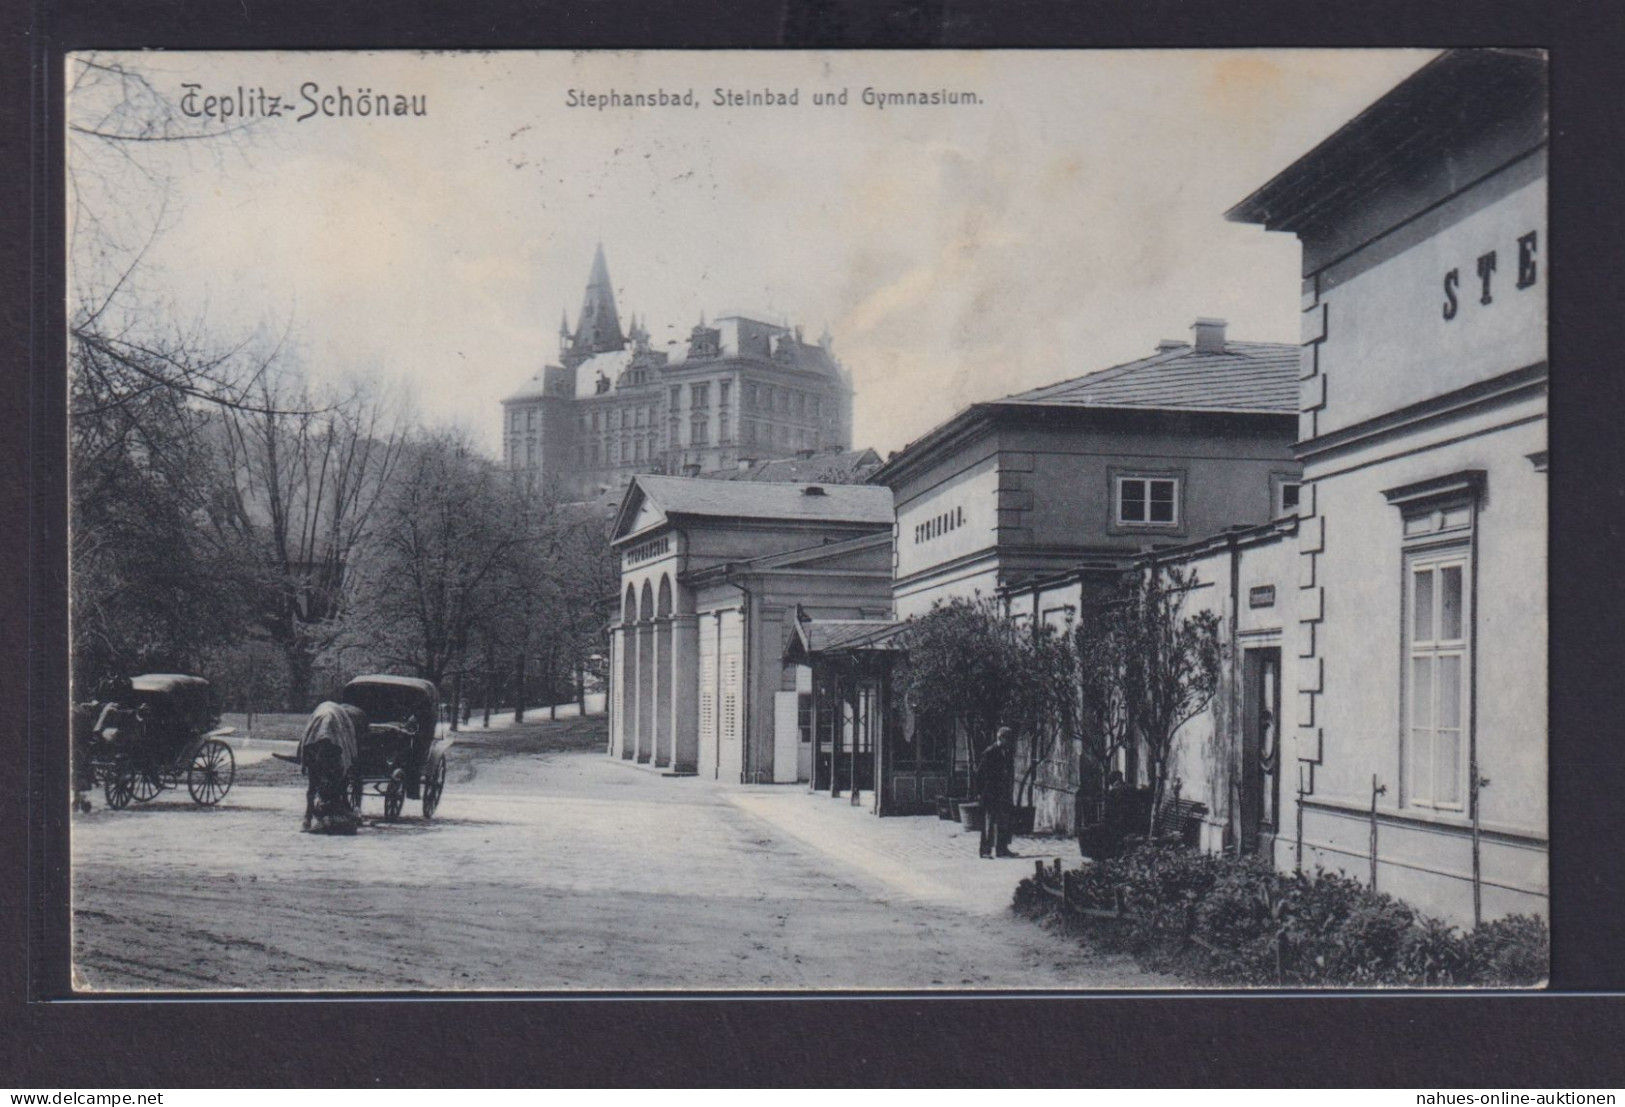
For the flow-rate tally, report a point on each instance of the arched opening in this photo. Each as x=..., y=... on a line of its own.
x=626, y=695
x=665, y=674
x=645, y=713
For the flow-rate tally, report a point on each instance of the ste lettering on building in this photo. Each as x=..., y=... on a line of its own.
x=1421, y=668
x=619, y=403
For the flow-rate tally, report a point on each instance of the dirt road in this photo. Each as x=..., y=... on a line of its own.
x=546, y=869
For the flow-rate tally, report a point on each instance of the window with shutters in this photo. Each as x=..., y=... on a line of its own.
x=708, y=693
x=1436, y=681
x=1438, y=521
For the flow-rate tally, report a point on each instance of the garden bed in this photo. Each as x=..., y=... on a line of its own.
x=1228, y=921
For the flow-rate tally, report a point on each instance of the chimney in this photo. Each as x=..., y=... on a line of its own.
x=1209, y=336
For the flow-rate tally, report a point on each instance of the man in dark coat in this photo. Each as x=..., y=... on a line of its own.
x=993, y=791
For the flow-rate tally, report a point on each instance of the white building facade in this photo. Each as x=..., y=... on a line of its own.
x=1420, y=702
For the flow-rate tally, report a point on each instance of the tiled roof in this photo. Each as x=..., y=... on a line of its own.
x=1247, y=376
x=855, y=503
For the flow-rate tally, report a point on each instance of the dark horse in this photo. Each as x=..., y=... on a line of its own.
x=328, y=754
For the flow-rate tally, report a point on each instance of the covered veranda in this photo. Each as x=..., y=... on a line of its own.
x=867, y=737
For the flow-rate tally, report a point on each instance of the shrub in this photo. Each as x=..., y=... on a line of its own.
x=1514, y=951
x=1234, y=921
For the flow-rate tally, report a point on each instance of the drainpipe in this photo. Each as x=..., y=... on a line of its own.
x=1237, y=693
x=746, y=760
x=716, y=703
x=1476, y=782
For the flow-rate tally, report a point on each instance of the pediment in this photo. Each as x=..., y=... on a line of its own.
x=638, y=512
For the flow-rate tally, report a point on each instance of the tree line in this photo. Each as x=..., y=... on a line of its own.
x=282, y=546
x=230, y=517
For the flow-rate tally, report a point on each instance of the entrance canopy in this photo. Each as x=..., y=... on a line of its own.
x=815, y=637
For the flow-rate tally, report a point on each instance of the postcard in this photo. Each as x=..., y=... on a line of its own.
x=807, y=521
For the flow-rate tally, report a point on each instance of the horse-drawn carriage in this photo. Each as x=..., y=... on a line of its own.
x=380, y=737
x=399, y=757
x=151, y=733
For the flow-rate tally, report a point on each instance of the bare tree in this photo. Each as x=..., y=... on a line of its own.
x=304, y=482
x=154, y=582
x=440, y=562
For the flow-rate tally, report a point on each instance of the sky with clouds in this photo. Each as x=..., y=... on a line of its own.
x=1065, y=220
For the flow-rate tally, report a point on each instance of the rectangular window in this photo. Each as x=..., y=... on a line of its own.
x=723, y=391
x=699, y=396
x=1148, y=501
x=1437, y=654
x=530, y=418
x=699, y=431
x=1291, y=495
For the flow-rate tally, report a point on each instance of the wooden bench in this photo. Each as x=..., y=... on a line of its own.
x=1178, y=823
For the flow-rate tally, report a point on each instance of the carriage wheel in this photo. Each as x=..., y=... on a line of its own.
x=434, y=782
x=213, y=769
x=145, y=786
x=394, y=800
x=119, y=786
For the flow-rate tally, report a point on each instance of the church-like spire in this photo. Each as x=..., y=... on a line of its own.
x=598, y=327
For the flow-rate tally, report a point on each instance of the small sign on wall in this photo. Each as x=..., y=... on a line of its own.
x=1261, y=596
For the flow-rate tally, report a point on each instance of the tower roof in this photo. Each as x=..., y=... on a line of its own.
x=598, y=327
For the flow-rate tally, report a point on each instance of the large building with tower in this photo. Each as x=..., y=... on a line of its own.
x=618, y=402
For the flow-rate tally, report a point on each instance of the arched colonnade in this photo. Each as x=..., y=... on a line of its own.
x=655, y=647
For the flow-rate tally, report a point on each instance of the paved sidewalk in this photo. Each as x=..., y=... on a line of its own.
x=921, y=856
